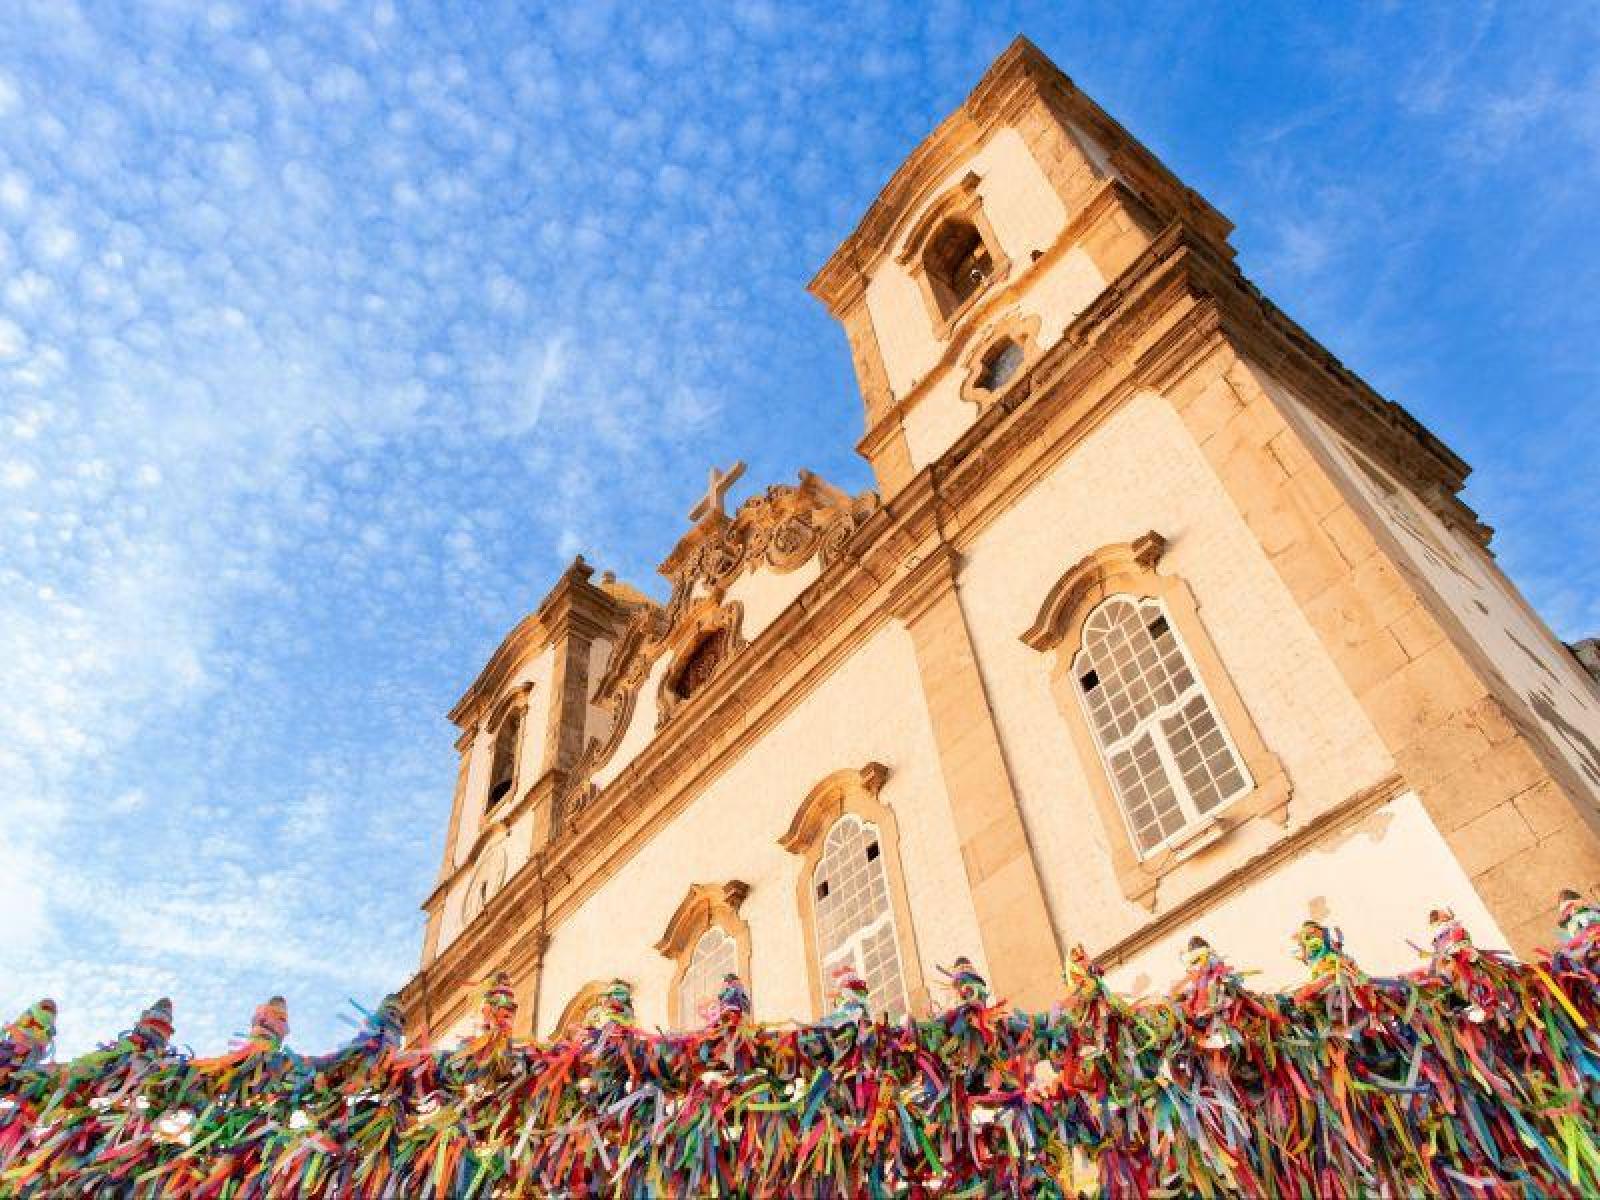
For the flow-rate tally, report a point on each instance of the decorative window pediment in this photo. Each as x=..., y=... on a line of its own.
x=780, y=529
x=707, y=939
x=999, y=359
x=699, y=647
x=1173, y=758
x=576, y=1015
x=954, y=255
x=851, y=890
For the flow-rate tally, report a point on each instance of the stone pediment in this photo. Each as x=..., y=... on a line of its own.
x=780, y=529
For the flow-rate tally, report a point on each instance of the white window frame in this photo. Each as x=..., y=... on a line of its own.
x=1195, y=822
x=852, y=948
x=688, y=1007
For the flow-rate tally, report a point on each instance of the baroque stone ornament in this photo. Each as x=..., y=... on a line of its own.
x=781, y=529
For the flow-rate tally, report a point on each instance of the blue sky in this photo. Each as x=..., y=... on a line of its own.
x=327, y=339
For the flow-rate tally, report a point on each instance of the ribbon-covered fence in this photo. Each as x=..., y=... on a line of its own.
x=1476, y=1075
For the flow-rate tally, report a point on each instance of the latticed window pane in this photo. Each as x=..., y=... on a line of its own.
x=715, y=954
x=855, y=919
x=1164, y=745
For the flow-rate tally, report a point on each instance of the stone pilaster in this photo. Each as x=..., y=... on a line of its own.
x=1019, y=943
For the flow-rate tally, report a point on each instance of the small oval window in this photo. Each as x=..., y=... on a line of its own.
x=1000, y=365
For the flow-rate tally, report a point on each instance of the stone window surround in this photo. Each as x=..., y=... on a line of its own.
x=852, y=791
x=575, y=1015
x=704, y=906
x=706, y=616
x=1129, y=568
x=961, y=202
x=487, y=878
x=514, y=704
x=1024, y=331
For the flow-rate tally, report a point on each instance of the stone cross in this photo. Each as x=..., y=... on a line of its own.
x=710, y=505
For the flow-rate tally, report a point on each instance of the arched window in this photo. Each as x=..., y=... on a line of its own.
x=503, y=773
x=953, y=254
x=1167, y=753
x=575, y=1016
x=851, y=890
x=700, y=664
x=957, y=263
x=715, y=954
x=855, y=919
x=1165, y=741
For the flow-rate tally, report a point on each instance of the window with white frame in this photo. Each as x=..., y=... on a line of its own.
x=715, y=954
x=1170, y=759
x=855, y=915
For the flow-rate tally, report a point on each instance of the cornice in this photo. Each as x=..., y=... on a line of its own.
x=976, y=325
x=1334, y=822
x=1023, y=75
x=928, y=577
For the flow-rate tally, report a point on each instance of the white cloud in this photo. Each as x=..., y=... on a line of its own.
x=13, y=341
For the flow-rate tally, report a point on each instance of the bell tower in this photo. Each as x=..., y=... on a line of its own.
x=1003, y=226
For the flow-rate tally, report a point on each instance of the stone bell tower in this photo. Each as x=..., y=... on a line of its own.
x=993, y=237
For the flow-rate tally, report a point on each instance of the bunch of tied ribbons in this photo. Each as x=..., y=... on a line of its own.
x=1476, y=1075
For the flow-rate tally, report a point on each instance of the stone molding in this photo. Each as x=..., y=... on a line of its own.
x=1014, y=326
x=993, y=303
x=575, y=1012
x=703, y=619
x=1021, y=76
x=1129, y=568
x=854, y=791
x=572, y=604
x=961, y=202
x=780, y=529
x=704, y=906
x=1339, y=819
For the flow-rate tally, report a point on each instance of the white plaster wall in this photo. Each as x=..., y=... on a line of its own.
x=462, y=1028
x=1026, y=214
x=641, y=726
x=1059, y=293
x=596, y=720
x=870, y=709
x=1546, y=683
x=1140, y=471
x=1376, y=882
x=765, y=593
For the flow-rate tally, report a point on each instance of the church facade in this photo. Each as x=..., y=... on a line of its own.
x=1158, y=622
